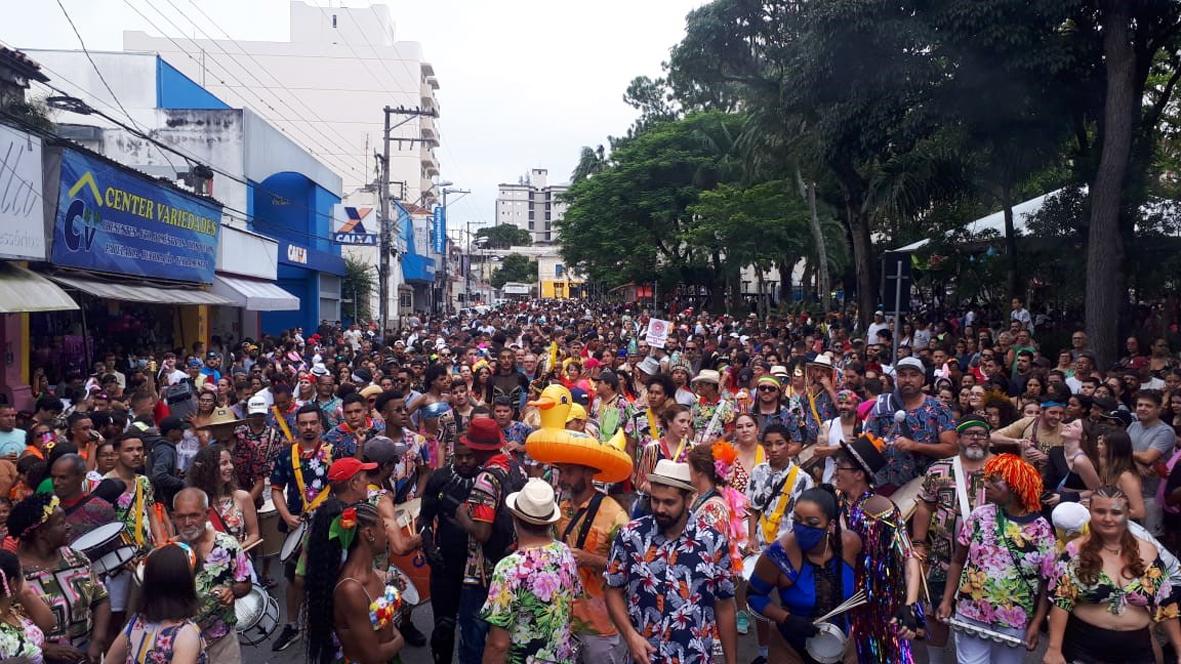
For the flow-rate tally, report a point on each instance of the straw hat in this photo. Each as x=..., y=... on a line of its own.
x=534, y=503
x=670, y=473
x=707, y=376
x=221, y=416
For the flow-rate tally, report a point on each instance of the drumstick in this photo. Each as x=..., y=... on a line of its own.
x=252, y=545
x=856, y=600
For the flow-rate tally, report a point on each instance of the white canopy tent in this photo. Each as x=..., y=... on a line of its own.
x=996, y=221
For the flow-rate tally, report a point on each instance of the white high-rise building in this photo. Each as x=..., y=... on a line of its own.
x=325, y=88
x=532, y=204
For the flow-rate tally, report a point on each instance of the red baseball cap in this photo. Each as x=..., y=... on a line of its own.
x=346, y=468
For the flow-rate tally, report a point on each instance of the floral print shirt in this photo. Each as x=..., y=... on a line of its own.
x=24, y=641
x=926, y=422
x=939, y=490
x=73, y=592
x=641, y=428
x=254, y=454
x=671, y=586
x=224, y=566
x=1152, y=590
x=1007, y=558
x=313, y=465
x=809, y=425
x=405, y=477
x=703, y=414
x=125, y=508
x=765, y=490
x=153, y=643
x=344, y=440
x=532, y=597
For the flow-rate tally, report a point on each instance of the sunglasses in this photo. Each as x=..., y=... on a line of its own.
x=767, y=388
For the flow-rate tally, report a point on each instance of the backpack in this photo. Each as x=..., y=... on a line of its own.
x=502, y=541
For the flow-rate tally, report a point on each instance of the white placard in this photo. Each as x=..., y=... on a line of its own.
x=22, y=217
x=657, y=333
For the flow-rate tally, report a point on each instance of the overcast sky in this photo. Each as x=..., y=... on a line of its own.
x=524, y=83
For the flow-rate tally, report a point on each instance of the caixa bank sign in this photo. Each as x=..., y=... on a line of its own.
x=297, y=254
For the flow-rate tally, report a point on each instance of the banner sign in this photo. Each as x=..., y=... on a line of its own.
x=657, y=335
x=439, y=229
x=22, y=218
x=112, y=220
x=355, y=225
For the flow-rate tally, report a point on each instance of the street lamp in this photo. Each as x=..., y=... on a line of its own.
x=446, y=308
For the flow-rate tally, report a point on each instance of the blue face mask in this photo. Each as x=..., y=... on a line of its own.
x=808, y=537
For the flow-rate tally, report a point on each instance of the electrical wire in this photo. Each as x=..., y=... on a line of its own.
x=317, y=144
x=102, y=78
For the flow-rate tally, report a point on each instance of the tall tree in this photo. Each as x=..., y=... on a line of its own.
x=503, y=236
x=515, y=267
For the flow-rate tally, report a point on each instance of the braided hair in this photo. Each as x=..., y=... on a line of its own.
x=27, y=515
x=325, y=558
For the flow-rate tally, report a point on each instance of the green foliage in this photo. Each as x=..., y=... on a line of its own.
x=33, y=112
x=503, y=236
x=515, y=267
x=359, y=284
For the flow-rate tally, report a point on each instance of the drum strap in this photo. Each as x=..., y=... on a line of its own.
x=587, y=514
x=282, y=422
x=139, y=512
x=770, y=524
x=219, y=524
x=297, y=469
x=961, y=487
x=653, y=431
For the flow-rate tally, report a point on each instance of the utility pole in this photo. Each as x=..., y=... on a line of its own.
x=446, y=308
x=383, y=271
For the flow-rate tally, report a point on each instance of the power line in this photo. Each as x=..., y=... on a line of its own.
x=102, y=78
x=223, y=67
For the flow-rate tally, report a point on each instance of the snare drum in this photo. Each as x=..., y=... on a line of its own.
x=268, y=528
x=108, y=546
x=293, y=543
x=828, y=645
x=258, y=616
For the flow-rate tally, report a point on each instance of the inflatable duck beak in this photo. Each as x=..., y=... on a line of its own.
x=544, y=403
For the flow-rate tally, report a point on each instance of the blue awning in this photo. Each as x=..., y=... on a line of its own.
x=418, y=269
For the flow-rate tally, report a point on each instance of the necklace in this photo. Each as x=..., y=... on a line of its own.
x=1116, y=549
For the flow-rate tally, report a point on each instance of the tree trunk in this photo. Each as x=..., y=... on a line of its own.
x=808, y=191
x=1010, y=241
x=1105, y=250
x=785, y=266
x=867, y=295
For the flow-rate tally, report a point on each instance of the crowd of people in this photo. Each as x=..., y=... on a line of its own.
x=958, y=487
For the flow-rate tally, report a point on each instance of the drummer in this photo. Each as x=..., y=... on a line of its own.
x=589, y=519
x=136, y=508
x=63, y=577
x=299, y=484
x=222, y=575
x=812, y=570
x=84, y=511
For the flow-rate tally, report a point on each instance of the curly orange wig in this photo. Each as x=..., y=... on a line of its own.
x=1023, y=479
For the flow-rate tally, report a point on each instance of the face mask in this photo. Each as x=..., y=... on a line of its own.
x=808, y=537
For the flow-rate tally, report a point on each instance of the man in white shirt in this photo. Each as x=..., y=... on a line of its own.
x=353, y=337
x=1020, y=314
x=879, y=323
x=12, y=439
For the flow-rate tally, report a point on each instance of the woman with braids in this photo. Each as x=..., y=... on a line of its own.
x=996, y=581
x=811, y=569
x=163, y=630
x=231, y=510
x=20, y=637
x=62, y=576
x=351, y=611
x=1108, y=588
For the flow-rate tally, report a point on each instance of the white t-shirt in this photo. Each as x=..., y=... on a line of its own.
x=353, y=337
x=871, y=336
x=920, y=339
x=1022, y=316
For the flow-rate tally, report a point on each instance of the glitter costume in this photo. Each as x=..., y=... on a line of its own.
x=881, y=572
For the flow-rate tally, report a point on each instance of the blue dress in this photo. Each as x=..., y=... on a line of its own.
x=813, y=590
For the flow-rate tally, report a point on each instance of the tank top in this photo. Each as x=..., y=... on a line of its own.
x=153, y=643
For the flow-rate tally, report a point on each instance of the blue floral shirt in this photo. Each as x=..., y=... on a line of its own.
x=315, y=476
x=782, y=416
x=671, y=586
x=344, y=442
x=925, y=422
x=824, y=407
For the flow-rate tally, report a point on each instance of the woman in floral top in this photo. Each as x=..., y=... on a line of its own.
x=1004, y=551
x=163, y=632
x=20, y=637
x=231, y=510
x=1108, y=588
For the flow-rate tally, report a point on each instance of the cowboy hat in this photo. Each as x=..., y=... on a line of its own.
x=534, y=503
x=707, y=376
x=821, y=361
x=670, y=473
x=219, y=417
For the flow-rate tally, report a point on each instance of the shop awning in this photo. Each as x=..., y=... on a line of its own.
x=254, y=295
x=139, y=291
x=23, y=291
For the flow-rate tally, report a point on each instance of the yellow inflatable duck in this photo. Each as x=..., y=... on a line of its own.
x=555, y=444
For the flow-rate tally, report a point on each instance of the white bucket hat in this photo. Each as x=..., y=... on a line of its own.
x=534, y=503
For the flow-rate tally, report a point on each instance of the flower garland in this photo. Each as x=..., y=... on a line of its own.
x=383, y=609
